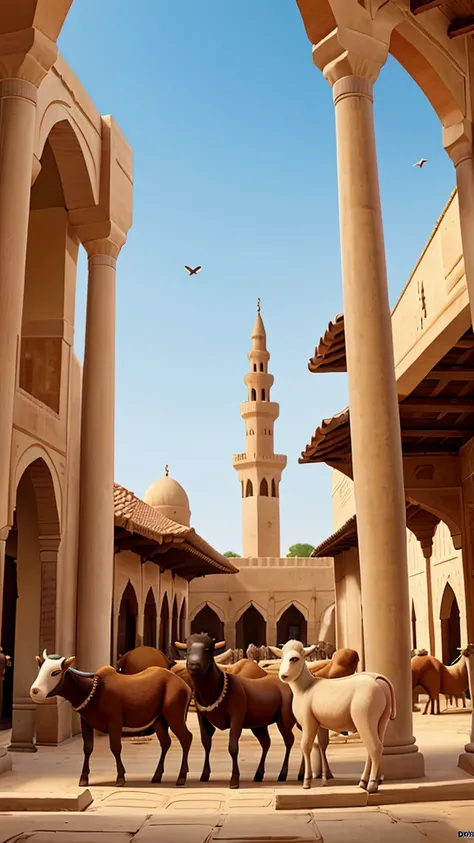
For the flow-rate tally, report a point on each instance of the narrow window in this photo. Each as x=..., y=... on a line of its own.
x=274, y=490
x=264, y=488
x=263, y=395
x=261, y=367
x=254, y=395
x=255, y=367
x=249, y=489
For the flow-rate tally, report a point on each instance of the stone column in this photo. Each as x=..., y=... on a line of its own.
x=458, y=143
x=374, y=415
x=96, y=522
x=17, y=134
x=271, y=622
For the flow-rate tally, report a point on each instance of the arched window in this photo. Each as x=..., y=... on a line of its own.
x=255, y=367
x=251, y=628
x=164, y=626
x=264, y=488
x=253, y=395
x=182, y=622
x=274, y=488
x=249, y=489
x=261, y=367
x=127, y=622
x=450, y=625
x=150, y=620
x=292, y=625
x=207, y=620
x=263, y=395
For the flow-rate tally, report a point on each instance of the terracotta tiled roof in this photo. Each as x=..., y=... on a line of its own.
x=330, y=354
x=326, y=442
x=135, y=516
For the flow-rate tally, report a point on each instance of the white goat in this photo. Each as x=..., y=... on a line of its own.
x=362, y=703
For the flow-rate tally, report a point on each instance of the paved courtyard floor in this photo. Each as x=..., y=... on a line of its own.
x=200, y=813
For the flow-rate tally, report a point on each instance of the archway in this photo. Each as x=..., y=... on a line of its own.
x=29, y=601
x=251, y=628
x=207, y=620
x=292, y=625
x=150, y=620
x=413, y=626
x=450, y=625
x=127, y=621
x=165, y=626
x=182, y=622
x=174, y=627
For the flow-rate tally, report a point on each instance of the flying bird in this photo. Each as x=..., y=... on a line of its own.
x=193, y=271
x=421, y=163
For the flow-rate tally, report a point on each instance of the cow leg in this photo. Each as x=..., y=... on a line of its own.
x=234, y=737
x=464, y=700
x=310, y=728
x=264, y=740
x=323, y=743
x=177, y=723
x=207, y=730
x=161, y=729
x=88, y=742
x=115, y=743
x=285, y=727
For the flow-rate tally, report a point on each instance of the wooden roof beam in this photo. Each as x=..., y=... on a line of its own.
x=437, y=405
x=445, y=433
x=452, y=373
x=417, y=7
x=461, y=26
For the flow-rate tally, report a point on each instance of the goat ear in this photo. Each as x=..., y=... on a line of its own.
x=276, y=652
x=67, y=663
x=309, y=650
x=218, y=645
x=180, y=646
x=39, y=660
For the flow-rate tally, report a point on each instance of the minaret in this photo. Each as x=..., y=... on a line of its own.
x=259, y=468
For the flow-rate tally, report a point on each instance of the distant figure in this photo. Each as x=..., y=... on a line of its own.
x=193, y=271
x=421, y=163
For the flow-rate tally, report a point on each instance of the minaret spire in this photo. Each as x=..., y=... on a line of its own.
x=259, y=468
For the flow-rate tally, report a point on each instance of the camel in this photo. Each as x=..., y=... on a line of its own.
x=364, y=702
x=437, y=678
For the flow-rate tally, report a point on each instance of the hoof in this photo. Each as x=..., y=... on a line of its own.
x=156, y=779
x=373, y=786
x=258, y=777
x=306, y=784
x=234, y=784
x=363, y=784
x=205, y=777
x=84, y=782
x=282, y=777
x=181, y=781
x=120, y=782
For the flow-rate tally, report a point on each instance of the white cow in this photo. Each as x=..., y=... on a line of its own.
x=362, y=703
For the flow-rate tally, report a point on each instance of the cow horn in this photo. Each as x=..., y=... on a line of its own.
x=276, y=652
x=308, y=650
x=218, y=645
x=180, y=646
x=223, y=657
x=45, y=655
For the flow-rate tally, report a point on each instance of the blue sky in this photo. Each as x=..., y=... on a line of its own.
x=232, y=130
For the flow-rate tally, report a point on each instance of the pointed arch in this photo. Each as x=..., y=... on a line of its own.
x=450, y=625
x=253, y=395
x=182, y=621
x=251, y=628
x=164, y=625
x=413, y=626
x=291, y=625
x=207, y=620
x=150, y=618
x=264, y=488
x=174, y=623
x=249, y=489
x=274, y=488
x=127, y=621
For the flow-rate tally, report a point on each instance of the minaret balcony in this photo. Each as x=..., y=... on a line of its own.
x=277, y=461
x=263, y=409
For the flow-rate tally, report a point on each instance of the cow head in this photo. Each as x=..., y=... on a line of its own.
x=200, y=649
x=293, y=657
x=52, y=670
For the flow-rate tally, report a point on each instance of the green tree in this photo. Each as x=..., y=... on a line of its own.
x=301, y=550
x=231, y=555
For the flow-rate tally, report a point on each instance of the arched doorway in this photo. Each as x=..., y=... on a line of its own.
x=450, y=625
x=165, y=626
x=174, y=627
x=413, y=626
x=292, y=625
x=207, y=620
x=127, y=622
x=251, y=628
x=182, y=622
x=29, y=602
x=149, y=620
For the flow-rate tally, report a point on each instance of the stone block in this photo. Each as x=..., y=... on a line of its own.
x=294, y=828
x=185, y=832
x=5, y=761
x=371, y=830
x=397, y=794
x=23, y=801
x=465, y=762
x=322, y=797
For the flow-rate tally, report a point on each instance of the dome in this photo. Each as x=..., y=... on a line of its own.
x=168, y=497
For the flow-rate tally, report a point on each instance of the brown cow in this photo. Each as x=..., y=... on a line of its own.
x=134, y=661
x=437, y=678
x=113, y=703
x=343, y=663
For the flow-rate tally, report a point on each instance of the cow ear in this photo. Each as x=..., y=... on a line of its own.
x=67, y=663
x=218, y=645
x=276, y=652
x=39, y=660
x=180, y=646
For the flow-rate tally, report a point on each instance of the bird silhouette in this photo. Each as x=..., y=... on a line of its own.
x=421, y=163
x=193, y=271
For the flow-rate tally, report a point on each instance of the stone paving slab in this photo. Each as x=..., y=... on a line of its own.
x=394, y=793
x=23, y=801
x=297, y=828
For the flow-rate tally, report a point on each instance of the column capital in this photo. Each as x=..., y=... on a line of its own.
x=458, y=141
x=103, y=239
x=26, y=55
x=346, y=53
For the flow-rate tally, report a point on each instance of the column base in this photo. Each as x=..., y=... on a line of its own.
x=5, y=761
x=23, y=728
x=466, y=762
x=53, y=722
x=409, y=764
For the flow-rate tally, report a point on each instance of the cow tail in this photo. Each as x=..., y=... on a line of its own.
x=393, y=704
